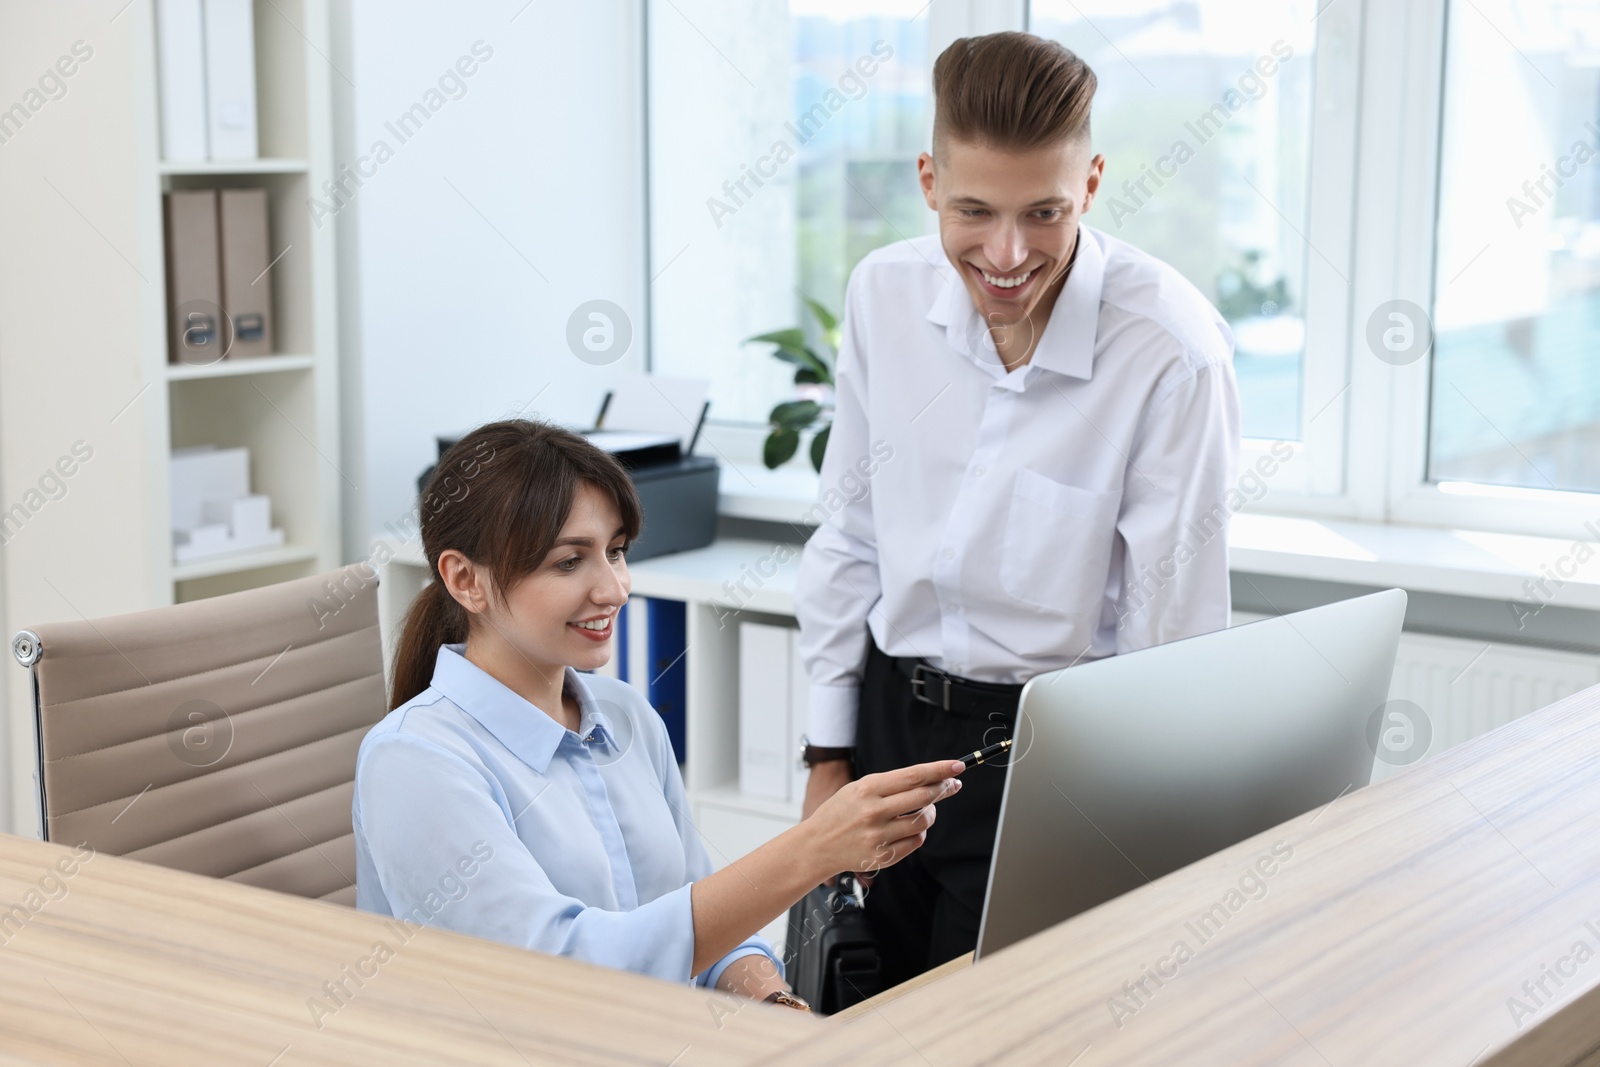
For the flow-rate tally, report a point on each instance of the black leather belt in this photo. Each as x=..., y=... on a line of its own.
x=951, y=692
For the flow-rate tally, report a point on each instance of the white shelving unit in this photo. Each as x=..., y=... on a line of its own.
x=177, y=372
x=84, y=354
x=241, y=562
x=247, y=166
x=283, y=407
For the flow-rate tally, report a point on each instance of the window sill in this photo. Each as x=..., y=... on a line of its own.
x=1490, y=566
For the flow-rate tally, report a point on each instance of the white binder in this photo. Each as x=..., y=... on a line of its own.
x=799, y=702
x=181, y=59
x=231, y=78
x=763, y=710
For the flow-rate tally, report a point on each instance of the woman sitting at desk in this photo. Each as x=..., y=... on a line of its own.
x=509, y=796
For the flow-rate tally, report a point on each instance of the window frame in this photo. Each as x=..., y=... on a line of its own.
x=1371, y=227
x=1410, y=497
x=1315, y=480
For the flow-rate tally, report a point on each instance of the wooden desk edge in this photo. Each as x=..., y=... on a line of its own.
x=1569, y=1036
x=894, y=993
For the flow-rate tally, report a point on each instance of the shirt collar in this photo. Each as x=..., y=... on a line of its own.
x=1067, y=346
x=524, y=728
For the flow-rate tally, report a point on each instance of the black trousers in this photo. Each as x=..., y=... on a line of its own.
x=925, y=909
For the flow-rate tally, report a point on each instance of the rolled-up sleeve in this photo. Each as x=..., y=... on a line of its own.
x=424, y=840
x=1175, y=510
x=838, y=584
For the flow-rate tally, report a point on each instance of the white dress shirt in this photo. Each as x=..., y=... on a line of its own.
x=476, y=811
x=1000, y=525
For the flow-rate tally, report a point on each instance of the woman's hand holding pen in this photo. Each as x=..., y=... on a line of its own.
x=867, y=825
x=880, y=819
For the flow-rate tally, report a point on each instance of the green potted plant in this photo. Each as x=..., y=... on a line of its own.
x=814, y=372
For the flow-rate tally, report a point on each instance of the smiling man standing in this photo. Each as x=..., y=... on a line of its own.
x=1061, y=408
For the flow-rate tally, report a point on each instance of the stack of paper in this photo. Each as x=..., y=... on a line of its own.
x=213, y=511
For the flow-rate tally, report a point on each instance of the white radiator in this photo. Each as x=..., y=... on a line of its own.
x=1467, y=688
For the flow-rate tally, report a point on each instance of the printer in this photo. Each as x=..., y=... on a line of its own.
x=677, y=489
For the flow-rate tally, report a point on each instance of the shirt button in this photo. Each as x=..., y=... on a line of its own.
x=949, y=553
x=980, y=470
x=955, y=609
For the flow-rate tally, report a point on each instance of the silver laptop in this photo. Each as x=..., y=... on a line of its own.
x=1130, y=767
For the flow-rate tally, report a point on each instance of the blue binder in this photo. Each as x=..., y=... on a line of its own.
x=622, y=644
x=669, y=672
x=666, y=687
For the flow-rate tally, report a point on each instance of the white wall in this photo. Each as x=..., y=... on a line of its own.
x=717, y=105
x=446, y=320
x=80, y=290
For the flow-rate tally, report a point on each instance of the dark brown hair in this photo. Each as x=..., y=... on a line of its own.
x=1011, y=91
x=499, y=496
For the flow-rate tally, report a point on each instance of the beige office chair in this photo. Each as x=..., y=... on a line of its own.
x=217, y=736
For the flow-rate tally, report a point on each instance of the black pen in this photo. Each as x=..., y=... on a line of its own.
x=972, y=759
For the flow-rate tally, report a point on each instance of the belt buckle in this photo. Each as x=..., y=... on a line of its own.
x=919, y=684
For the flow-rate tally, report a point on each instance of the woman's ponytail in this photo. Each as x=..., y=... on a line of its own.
x=434, y=619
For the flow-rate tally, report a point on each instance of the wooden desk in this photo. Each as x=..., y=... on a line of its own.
x=904, y=989
x=143, y=965
x=1396, y=927
x=1406, y=917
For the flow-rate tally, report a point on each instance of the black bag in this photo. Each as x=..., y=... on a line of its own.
x=830, y=956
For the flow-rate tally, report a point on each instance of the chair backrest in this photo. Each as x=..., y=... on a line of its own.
x=217, y=736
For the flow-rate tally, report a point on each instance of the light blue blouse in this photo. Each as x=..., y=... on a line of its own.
x=476, y=811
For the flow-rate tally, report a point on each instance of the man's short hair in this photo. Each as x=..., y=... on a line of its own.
x=1012, y=91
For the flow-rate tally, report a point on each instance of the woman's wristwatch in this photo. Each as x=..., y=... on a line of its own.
x=787, y=999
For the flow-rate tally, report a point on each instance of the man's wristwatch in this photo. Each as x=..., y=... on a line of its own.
x=811, y=755
x=787, y=999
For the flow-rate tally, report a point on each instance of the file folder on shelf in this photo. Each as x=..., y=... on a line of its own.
x=196, y=332
x=246, y=287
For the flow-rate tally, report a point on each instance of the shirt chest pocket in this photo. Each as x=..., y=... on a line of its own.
x=1056, y=550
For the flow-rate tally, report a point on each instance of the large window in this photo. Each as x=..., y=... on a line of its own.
x=1395, y=205
x=1516, y=311
x=858, y=176
x=784, y=139
x=1204, y=117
